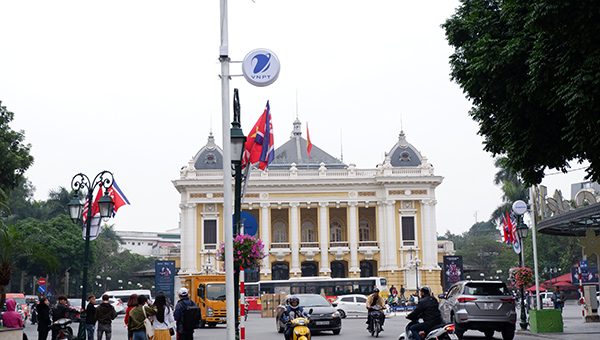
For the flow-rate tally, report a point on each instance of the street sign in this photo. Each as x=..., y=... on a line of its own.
x=42, y=281
x=42, y=289
x=583, y=263
x=261, y=67
x=49, y=294
x=519, y=207
x=50, y=288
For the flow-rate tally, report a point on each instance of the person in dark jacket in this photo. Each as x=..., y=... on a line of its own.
x=182, y=334
x=61, y=310
x=43, y=318
x=90, y=317
x=105, y=314
x=292, y=310
x=428, y=310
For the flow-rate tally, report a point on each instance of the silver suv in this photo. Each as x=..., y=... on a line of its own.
x=486, y=306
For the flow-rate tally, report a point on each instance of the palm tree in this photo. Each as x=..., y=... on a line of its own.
x=512, y=187
x=20, y=243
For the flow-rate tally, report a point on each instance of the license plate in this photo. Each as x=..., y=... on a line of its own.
x=488, y=305
x=453, y=336
x=223, y=319
x=320, y=323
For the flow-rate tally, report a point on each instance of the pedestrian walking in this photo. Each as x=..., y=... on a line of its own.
x=43, y=318
x=402, y=290
x=137, y=315
x=90, y=317
x=131, y=303
x=105, y=314
x=559, y=298
x=161, y=322
x=183, y=332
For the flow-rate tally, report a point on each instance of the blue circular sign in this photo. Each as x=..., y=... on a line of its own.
x=250, y=223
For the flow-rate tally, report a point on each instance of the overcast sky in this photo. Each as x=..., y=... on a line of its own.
x=133, y=87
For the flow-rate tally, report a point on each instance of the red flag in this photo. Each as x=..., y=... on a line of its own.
x=95, y=207
x=505, y=230
x=268, y=149
x=259, y=144
x=308, y=143
x=251, y=154
x=117, y=196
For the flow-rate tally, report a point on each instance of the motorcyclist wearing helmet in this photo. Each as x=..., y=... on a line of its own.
x=372, y=300
x=292, y=310
x=428, y=310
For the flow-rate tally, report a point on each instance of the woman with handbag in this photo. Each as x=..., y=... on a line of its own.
x=139, y=325
x=163, y=319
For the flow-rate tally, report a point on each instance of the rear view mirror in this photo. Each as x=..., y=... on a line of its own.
x=442, y=296
x=310, y=311
x=334, y=304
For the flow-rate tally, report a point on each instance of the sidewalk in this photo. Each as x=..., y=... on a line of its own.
x=573, y=326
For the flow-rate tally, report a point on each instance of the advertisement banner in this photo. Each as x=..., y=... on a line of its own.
x=165, y=279
x=588, y=275
x=453, y=270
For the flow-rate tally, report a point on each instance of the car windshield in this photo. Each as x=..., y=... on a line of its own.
x=20, y=301
x=480, y=288
x=215, y=291
x=76, y=303
x=313, y=301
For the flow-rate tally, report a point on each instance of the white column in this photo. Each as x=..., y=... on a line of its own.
x=353, y=225
x=324, y=237
x=390, y=208
x=265, y=235
x=188, y=238
x=428, y=229
x=381, y=232
x=294, y=239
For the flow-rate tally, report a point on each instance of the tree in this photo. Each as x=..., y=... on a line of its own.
x=513, y=189
x=531, y=70
x=13, y=153
x=20, y=243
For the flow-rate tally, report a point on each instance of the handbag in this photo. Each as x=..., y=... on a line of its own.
x=171, y=331
x=148, y=325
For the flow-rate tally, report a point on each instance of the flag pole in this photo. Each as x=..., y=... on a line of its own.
x=227, y=195
x=534, y=240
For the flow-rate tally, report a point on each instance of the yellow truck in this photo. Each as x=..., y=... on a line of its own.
x=208, y=292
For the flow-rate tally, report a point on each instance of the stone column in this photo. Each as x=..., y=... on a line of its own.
x=381, y=236
x=294, y=239
x=428, y=228
x=324, y=238
x=188, y=238
x=390, y=209
x=353, y=242
x=265, y=235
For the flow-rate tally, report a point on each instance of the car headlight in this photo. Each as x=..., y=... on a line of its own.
x=209, y=311
x=336, y=314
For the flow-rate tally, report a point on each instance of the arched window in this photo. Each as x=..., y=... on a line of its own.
x=280, y=271
x=364, y=231
x=338, y=269
x=309, y=269
x=335, y=232
x=366, y=269
x=280, y=232
x=308, y=232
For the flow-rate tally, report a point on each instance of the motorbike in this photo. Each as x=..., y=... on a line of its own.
x=62, y=330
x=376, y=325
x=34, y=314
x=301, y=330
x=440, y=332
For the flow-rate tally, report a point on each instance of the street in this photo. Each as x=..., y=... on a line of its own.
x=264, y=329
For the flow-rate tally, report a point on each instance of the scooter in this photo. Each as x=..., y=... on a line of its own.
x=34, y=314
x=376, y=320
x=440, y=332
x=62, y=329
x=301, y=330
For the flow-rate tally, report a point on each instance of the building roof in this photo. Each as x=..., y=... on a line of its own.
x=210, y=157
x=572, y=223
x=404, y=154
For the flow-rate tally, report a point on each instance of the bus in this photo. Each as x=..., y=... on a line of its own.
x=329, y=287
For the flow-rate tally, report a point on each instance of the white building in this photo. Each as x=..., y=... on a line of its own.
x=319, y=216
x=151, y=244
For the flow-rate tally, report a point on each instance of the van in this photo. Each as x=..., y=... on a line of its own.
x=124, y=295
x=20, y=300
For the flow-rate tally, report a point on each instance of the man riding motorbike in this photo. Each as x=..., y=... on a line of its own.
x=372, y=300
x=428, y=310
x=292, y=311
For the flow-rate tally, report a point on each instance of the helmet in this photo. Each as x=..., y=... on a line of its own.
x=426, y=290
x=292, y=300
x=375, y=290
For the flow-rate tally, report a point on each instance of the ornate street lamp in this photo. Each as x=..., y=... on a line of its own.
x=519, y=208
x=80, y=181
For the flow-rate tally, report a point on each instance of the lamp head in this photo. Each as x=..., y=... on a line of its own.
x=75, y=208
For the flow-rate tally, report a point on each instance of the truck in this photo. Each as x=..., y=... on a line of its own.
x=208, y=292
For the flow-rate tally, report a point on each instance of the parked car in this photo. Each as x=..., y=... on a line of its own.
x=486, y=306
x=323, y=318
x=119, y=306
x=353, y=304
x=546, y=298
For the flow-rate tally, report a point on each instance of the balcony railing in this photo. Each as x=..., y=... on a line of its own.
x=367, y=243
x=338, y=244
x=280, y=245
x=309, y=244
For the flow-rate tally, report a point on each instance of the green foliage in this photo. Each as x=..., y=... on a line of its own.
x=13, y=153
x=531, y=70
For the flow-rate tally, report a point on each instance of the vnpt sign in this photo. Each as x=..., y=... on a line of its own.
x=261, y=67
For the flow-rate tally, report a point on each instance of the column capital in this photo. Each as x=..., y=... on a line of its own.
x=429, y=201
x=265, y=205
x=323, y=204
x=352, y=203
x=294, y=204
x=184, y=206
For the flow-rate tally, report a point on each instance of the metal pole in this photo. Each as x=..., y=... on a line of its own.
x=236, y=231
x=534, y=241
x=81, y=335
x=523, y=316
x=227, y=199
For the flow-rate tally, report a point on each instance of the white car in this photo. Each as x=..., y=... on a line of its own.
x=353, y=304
x=116, y=303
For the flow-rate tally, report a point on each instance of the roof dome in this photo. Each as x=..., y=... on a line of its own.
x=210, y=157
x=403, y=154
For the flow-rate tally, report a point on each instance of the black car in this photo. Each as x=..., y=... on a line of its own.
x=324, y=316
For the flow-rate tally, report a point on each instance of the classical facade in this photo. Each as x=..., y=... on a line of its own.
x=319, y=216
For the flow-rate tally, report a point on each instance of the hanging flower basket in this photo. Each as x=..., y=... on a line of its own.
x=521, y=276
x=248, y=252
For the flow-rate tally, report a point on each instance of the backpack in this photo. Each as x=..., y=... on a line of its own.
x=191, y=316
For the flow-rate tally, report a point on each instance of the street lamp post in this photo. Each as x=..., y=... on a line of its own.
x=105, y=204
x=237, y=147
x=523, y=231
x=482, y=276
